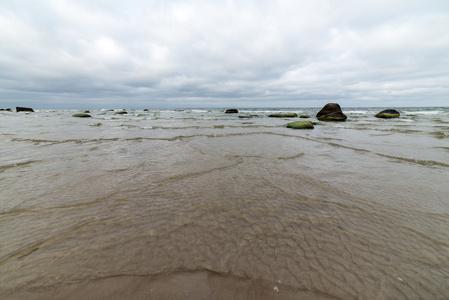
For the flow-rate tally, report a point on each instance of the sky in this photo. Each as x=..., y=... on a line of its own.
x=192, y=53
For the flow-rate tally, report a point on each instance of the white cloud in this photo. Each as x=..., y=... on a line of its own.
x=212, y=52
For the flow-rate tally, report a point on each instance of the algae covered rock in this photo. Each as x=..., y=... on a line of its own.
x=304, y=116
x=231, y=111
x=300, y=125
x=331, y=112
x=388, y=114
x=81, y=116
x=283, y=115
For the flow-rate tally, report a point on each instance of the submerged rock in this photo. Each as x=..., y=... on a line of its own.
x=300, y=125
x=18, y=109
x=81, y=116
x=121, y=112
x=304, y=116
x=283, y=115
x=388, y=114
x=231, y=111
x=331, y=112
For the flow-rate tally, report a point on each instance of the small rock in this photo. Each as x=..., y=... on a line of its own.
x=388, y=114
x=304, y=116
x=231, y=111
x=283, y=115
x=18, y=109
x=82, y=115
x=121, y=112
x=300, y=125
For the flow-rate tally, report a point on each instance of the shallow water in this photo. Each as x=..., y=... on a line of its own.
x=352, y=210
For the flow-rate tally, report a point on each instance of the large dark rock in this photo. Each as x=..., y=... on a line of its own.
x=231, y=111
x=331, y=112
x=388, y=114
x=18, y=108
x=329, y=108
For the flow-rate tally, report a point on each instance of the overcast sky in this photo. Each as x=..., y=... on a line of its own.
x=292, y=53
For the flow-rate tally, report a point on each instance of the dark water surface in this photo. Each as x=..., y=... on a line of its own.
x=194, y=204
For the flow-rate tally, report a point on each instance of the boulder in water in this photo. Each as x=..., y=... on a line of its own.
x=231, y=111
x=18, y=109
x=388, y=114
x=300, y=125
x=331, y=112
x=121, y=112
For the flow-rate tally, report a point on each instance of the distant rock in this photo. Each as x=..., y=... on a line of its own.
x=5, y=109
x=283, y=115
x=18, y=109
x=121, y=112
x=300, y=125
x=231, y=111
x=82, y=115
x=146, y=109
x=388, y=114
x=331, y=112
x=304, y=116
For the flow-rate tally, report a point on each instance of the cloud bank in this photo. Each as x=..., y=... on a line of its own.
x=97, y=53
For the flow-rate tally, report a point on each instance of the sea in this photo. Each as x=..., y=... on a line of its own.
x=201, y=204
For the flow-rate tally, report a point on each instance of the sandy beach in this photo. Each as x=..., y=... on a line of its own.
x=205, y=205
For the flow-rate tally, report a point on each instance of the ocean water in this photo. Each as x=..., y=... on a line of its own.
x=348, y=210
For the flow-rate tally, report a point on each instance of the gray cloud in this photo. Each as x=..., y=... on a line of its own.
x=224, y=53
